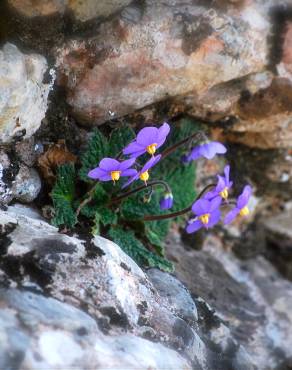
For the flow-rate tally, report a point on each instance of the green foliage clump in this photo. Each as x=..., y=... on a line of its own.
x=63, y=196
x=123, y=222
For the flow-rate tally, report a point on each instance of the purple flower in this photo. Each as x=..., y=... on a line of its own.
x=143, y=174
x=149, y=139
x=241, y=205
x=207, y=150
x=112, y=169
x=222, y=188
x=207, y=214
x=166, y=202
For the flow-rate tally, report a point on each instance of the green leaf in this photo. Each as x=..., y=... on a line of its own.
x=96, y=150
x=156, y=232
x=127, y=240
x=120, y=137
x=107, y=216
x=63, y=196
x=96, y=226
x=100, y=197
x=180, y=177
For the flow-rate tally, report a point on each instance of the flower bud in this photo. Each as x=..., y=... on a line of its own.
x=166, y=202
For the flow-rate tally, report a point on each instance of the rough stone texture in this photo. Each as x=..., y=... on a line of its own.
x=17, y=181
x=278, y=231
x=250, y=297
x=82, y=10
x=161, y=51
x=285, y=66
x=125, y=313
x=23, y=95
x=265, y=118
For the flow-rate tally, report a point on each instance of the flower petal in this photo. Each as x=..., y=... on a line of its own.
x=106, y=177
x=147, y=136
x=214, y=218
x=134, y=147
x=231, y=215
x=201, y=207
x=221, y=184
x=194, y=226
x=209, y=150
x=210, y=195
x=226, y=173
x=109, y=164
x=244, y=197
x=152, y=162
x=126, y=164
x=132, y=179
x=96, y=173
x=129, y=172
x=215, y=204
x=194, y=154
x=163, y=131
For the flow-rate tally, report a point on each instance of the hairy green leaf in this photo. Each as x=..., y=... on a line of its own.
x=63, y=196
x=96, y=150
x=127, y=240
x=120, y=137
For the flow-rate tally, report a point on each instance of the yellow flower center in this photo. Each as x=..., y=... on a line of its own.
x=151, y=149
x=115, y=175
x=144, y=176
x=204, y=218
x=224, y=193
x=244, y=211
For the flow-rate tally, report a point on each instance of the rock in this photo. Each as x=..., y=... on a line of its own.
x=23, y=95
x=88, y=9
x=176, y=294
x=265, y=118
x=170, y=52
x=17, y=181
x=82, y=10
x=126, y=320
x=27, y=185
x=5, y=166
x=39, y=8
x=285, y=66
x=250, y=297
x=279, y=241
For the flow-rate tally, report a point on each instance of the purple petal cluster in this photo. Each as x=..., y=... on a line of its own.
x=207, y=214
x=241, y=206
x=143, y=174
x=222, y=188
x=149, y=139
x=112, y=169
x=207, y=150
x=207, y=209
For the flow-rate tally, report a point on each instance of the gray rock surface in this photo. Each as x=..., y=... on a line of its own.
x=278, y=231
x=23, y=95
x=59, y=291
x=250, y=297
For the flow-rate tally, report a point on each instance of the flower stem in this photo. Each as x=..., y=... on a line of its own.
x=86, y=200
x=139, y=188
x=168, y=151
x=178, y=213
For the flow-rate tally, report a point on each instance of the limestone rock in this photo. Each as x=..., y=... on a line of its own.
x=169, y=51
x=83, y=10
x=127, y=320
x=250, y=296
x=23, y=95
x=88, y=9
x=279, y=241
